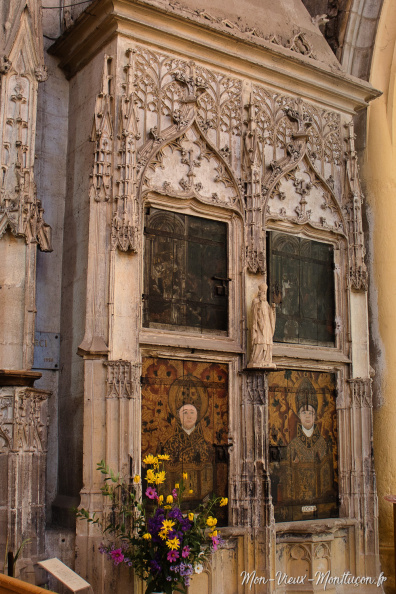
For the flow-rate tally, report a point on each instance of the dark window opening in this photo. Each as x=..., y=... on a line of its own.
x=186, y=276
x=301, y=282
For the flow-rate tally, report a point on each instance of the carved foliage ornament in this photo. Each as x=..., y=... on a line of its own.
x=189, y=167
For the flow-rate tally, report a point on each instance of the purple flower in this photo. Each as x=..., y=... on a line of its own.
x=186, y=551
x=176, y=514
x=215, y=542
x=155, y=566
x=172, y=556
x=185, y=524
x=174, y=493
x=169, y=579
x=117, y=556
x=151, y=493
x=174, y=568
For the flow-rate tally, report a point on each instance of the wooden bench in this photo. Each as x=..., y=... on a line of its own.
x=9, y=585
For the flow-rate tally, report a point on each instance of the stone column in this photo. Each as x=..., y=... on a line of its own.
x=255, y=504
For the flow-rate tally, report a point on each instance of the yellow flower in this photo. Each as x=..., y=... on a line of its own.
x=191, y=491
x=160, y=477
x=147, y=536
x=167, y=507
x=213, y=533
x=150, y=476
x=136, y=478
x=174, y=543
x=150, y=459
x=160, y=499
x=211, y=521
x=169, y=499
x=163, y=457
x=185, y=475
x=167, y=525
x=223, y=501
x=177, y=486
x=191, y=517
x=163, y=534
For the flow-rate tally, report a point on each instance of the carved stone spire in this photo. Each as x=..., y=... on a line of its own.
x=255, y=236
x=357, y=268
x=124, y=229
x=102, y=136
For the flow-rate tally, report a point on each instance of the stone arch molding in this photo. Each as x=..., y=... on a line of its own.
x=298, y=193
x=183, y=164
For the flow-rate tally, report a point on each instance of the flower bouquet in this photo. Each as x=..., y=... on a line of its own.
x=164, y=546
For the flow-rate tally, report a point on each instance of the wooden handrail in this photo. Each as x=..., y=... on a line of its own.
x=10, y=585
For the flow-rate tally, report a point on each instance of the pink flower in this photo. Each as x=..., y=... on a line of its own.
x=215, y=542
x=172, y=556
x=174, y=493
x=186, y=551
x=117, y=556
x=151, y=493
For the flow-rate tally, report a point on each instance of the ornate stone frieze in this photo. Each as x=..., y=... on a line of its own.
x=297, y=42
x=123, y=379
x=277, y=117
x=23, y=420
x=102, y=136
x=358, y=277
x=167, y=88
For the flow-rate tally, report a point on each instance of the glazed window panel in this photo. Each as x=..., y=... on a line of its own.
x=303, y=445
x=185, y=272
x=301, y=281
x=185, y=415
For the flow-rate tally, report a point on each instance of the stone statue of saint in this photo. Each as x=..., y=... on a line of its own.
x=263, y=328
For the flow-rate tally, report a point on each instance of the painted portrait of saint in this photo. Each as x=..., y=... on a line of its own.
x=185, y=415
x=187, y=447
x=303, y=448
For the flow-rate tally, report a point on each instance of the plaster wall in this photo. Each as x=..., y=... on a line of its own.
x=380, y=177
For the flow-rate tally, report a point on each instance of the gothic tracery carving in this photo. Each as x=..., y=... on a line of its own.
x=20, y=209
x=24, y=420
x=123, y=379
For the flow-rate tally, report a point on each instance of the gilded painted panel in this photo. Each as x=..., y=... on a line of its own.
x=185, y=415
x=303, y=445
